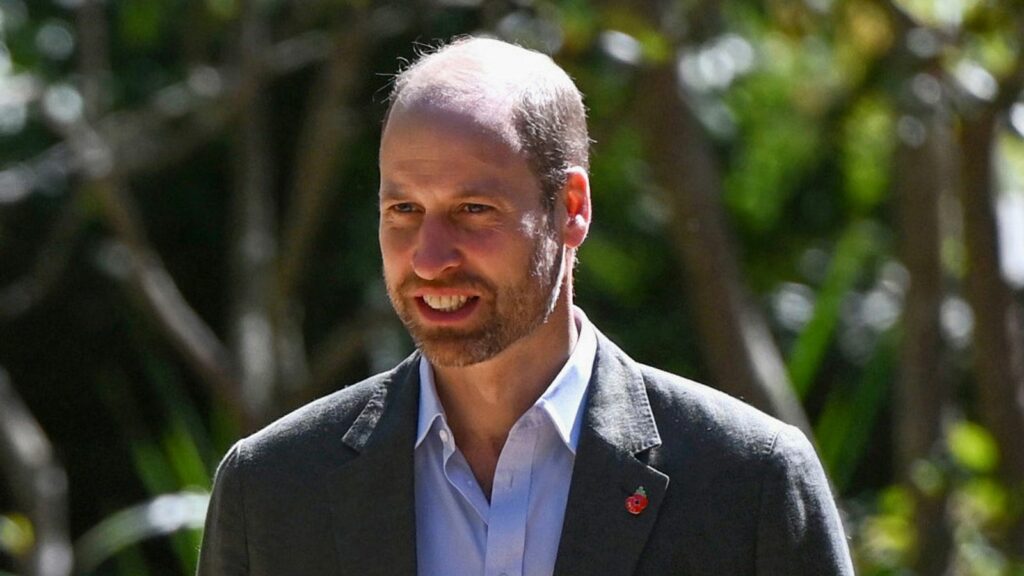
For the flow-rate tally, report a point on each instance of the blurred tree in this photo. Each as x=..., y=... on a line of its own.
x=743, y=358
x=39, y=486
x=790, y=200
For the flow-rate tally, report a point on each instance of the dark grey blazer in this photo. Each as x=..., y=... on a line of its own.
x=329, y=488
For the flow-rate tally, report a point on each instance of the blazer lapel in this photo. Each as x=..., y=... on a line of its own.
x=599, y=534
x=371, y=496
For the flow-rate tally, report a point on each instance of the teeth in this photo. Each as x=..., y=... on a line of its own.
x=446, y=303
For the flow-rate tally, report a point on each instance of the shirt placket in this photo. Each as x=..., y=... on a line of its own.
x=510, y=495
x=460, y=477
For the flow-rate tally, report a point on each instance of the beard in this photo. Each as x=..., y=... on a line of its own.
x=505, y=313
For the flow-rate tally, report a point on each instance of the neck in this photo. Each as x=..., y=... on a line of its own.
x=484, y=400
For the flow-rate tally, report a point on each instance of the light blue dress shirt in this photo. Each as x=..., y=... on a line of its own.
x=460, y=533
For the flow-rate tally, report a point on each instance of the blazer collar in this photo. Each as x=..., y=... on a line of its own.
x=371, y=495
x=376, y=535
x=599, y=533
x=618, y=410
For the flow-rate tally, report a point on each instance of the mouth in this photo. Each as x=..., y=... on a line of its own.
x=446, y=303
x=448, y=309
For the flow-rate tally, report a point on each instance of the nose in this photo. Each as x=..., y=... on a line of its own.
x=436, y=248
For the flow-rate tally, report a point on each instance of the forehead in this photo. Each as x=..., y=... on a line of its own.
x=441, y=148
x=457, y=97
x=429, y=130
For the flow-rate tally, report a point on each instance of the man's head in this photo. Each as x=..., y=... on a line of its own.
x=484, y=198
x=538, y=103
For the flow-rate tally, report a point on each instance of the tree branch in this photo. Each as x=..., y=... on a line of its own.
x=153, y=137
x=150, y=280
x=326, y=134
x=340, y=349
x=1010, y=87
x=38, y=484
x=49, y=264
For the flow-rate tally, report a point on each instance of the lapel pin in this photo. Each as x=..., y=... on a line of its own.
x=636, y=503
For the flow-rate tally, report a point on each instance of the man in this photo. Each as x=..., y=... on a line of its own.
x=517, y=440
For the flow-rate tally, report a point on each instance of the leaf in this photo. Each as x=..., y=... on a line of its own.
x=868, y=144
x=857, y=243
x=655, y=46
x=983, y=501
x=185, y=439
x=613, y=268
x=161, y=516
x=846, y=423
x=973, y=447
x=16, y=534
x=141, y=21
x=223, y=9
x=778, y=144
x=937, y=14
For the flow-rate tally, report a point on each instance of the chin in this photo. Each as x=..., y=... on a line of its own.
x=456, y=355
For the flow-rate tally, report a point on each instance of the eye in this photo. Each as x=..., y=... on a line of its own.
x=476, y=208
x=402, y=208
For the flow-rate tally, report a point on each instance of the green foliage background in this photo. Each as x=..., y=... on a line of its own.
x=801, y=102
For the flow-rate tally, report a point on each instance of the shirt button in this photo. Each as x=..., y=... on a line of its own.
x=444, y=437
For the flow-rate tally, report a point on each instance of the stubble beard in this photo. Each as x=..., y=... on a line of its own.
x=511, y=312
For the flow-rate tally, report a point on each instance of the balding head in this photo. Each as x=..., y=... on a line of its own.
x=518, y=93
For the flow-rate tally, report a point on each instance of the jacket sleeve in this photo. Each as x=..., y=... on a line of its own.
x=224, y=541
x=799, y=530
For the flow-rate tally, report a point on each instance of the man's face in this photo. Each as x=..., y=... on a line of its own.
x=472, y=261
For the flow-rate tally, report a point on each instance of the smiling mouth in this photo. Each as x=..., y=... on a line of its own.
x=447, y=303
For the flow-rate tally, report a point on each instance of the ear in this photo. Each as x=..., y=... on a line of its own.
x=576, y=196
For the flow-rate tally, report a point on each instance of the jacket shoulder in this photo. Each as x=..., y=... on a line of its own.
x=747, y=487
x=320, y=426
x=708, y=420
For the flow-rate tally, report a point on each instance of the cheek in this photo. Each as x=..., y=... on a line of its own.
x=395, y=241
x=484, y=242
x=394, y=252
x=498, y=253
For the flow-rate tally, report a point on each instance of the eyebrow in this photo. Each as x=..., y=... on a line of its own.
x=485, y=189
x=389, y=191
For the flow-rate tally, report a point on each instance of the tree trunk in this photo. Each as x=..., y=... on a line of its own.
x=254, y=249
x=739, y=348
x=922, y=393
x=998, y=338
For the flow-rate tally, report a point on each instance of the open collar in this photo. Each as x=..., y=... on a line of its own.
x=373, y=493
x=562, y=401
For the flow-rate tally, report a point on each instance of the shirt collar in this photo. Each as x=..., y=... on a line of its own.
x=562, y=401
x=430, y=404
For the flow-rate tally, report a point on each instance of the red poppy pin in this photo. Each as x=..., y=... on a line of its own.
x=636, y=503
